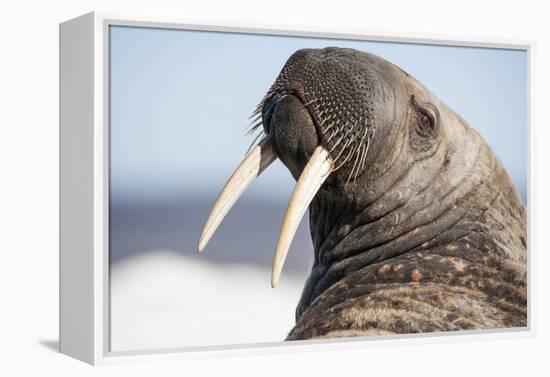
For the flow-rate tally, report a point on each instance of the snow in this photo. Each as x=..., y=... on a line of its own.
x=162, y=299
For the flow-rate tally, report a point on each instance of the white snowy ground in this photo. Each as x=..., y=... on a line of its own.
x=161, y=299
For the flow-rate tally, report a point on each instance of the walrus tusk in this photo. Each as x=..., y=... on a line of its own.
x=259, y=158
x=315, y=173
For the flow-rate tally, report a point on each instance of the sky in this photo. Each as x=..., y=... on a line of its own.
x=180, y=101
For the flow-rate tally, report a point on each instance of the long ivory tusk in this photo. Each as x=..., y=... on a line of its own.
x=259, y=158
x=315, y=173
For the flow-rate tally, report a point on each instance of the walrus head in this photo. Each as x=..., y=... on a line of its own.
x=361, y=137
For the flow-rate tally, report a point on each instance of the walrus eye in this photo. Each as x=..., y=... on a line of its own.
x=427, y=119
x=427, y=123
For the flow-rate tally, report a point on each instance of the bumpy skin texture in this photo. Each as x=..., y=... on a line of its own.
x=419, y=228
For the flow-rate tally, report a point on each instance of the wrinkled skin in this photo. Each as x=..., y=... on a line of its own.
x=419, y=228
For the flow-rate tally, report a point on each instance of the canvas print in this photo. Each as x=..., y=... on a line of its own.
x=271, y=188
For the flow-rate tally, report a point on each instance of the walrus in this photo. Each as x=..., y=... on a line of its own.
x=416, y=226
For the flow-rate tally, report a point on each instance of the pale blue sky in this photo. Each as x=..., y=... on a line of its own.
x=180, y=101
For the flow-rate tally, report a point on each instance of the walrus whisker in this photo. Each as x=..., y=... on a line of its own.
x=257, y=110
x=338, y=142
x=322, y=123
x=314, y=174
x=252, y=128
x=260, y=134
x=369, y=138
x=359, y=145
x=255, y=113
x=345, y=136
x=333, y=124
x=259, y=158
x=334, y=133
x=316, y=108
x=366, y=152
x=360, y=154
x=346, y=144
x=340, y=139
x=311, y=102
x=339, y=126
x=254, y=118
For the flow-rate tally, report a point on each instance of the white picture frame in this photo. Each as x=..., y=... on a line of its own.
x=84, y=157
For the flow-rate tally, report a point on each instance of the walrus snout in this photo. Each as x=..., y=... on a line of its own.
x=349, y=96
x=293, y=133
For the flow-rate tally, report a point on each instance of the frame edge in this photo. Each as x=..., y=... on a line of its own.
x=94, y=347
x=76, y=188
